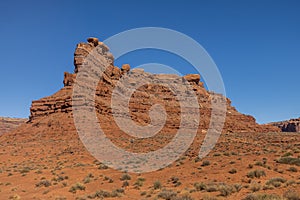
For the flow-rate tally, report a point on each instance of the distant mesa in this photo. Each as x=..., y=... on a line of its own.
x=292, y=125
x=140, y=103
x=8, y=124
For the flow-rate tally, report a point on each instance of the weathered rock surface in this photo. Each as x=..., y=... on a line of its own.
x=292, y=125
x=125, y=68
x=8, y=124
x=193, y=78
x=142, y=99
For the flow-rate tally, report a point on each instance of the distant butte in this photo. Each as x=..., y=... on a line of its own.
x=7, y=124
x=61, y=102
x=292, y=125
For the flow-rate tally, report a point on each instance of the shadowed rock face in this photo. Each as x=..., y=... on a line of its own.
x=142, y=99
x=292, y=125
x=7, y=124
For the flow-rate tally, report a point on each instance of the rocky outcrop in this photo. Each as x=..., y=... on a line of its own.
x=59, y=102
x=292, y=125
x=125, y=68
x=8, y=124
x=192, y=78
x=69, y=79
x=143, y=98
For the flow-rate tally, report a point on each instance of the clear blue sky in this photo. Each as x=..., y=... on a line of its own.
x=255, y=44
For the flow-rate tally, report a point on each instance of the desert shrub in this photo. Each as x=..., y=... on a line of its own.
x=110, y=180
x=114, y=193
x=184, y=197
x=141, y=179
x=268, y=187
x=210, y=198
x=175, y=181
x=102, y=166
x=233, y=171
x=256, y=174
x=254, y=187
x=117, y=192
x=293, y=169
x=125, y=184
x=237, y=187
x=44, y=183
x=265, y=161
x=99, y=194
x=197, y=159
x=225, y=190
x=25, y=170
x=287, y=154
x=60, y=178
x=205, y=163
x=86, y=180
x=291, y=195
x=291, y=182
x=138, y=183
x=157, y=185
x=276, y=182
x=14, y=197
x=258, y=163
x=262, y=197
x=211, y=188
x=60, y=198
x=120, y=190
x=226, y=154
x=77, y=186
x=200, y=186
x=167, y=194
x=125, y=177
x=289, y=160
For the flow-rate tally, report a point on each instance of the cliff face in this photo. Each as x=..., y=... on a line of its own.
x=7, y=124
x=292, y=125
x=142, y=99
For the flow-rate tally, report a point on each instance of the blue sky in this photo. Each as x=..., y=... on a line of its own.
x=255, y=44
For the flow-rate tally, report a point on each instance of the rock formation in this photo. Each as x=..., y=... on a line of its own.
x=142, y=99
x=7, y=124
x=292, y=125
x=193, y=78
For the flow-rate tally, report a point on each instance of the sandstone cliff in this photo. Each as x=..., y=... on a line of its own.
x=142, y=99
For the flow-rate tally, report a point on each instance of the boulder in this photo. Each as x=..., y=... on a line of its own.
x=125, y=68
